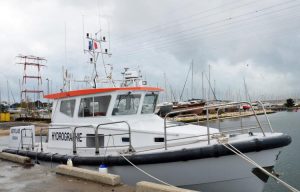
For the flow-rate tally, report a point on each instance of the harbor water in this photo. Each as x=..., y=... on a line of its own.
x=288, y=165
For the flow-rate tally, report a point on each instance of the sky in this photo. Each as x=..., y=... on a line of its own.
x=244, y=43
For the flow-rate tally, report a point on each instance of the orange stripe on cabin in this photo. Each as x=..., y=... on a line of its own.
x=98, y=90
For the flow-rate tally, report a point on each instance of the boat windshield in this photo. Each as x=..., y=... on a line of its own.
x=149, y=103
x=126, y=104
x=94, y=106
x=67, y=107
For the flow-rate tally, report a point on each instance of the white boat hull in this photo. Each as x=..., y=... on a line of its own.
x=226, y=173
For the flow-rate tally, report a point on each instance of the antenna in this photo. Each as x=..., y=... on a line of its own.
x=108, y=25
x=65, y=44
x=94, y=49
x=83, y=42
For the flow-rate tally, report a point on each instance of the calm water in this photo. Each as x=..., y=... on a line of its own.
x=288, y=165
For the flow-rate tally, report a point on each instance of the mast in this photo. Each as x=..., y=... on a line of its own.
x=202, y=87
x=166, y=93
x=209, y=81
x=192, y=88
x=8, y=97
x=94, y=50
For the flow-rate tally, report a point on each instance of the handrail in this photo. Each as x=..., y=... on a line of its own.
x=41, y=131
x=61, y=127
x=263, y=107
x=207, y=117
x=25, y=129
x=97, y=146
x=74, y=136
x=110, y=123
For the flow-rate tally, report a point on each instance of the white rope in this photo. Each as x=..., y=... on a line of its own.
x=148, y=174
x=248, y=159
x=155, y=178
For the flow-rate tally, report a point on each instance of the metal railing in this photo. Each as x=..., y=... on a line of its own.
x=111, y=123
x=167, y=124
x=96, y=136
x=25, y=136
x=218, y=107
x=59, y=128
x=73, y=130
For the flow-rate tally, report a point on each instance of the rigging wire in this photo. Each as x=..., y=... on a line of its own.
x=180, y=33
x=186, y=79
x=210, y=34
x=176, y=22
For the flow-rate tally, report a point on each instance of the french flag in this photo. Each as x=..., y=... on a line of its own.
x=95, y=45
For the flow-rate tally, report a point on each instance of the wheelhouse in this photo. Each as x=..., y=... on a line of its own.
x=103, y=103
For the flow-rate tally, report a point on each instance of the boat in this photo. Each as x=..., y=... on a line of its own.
x=117, y=126
x=112, y=125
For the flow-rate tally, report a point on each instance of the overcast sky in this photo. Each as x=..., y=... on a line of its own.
x=257, y=40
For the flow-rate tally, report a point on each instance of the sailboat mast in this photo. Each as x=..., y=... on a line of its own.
x=192, y=88
x=202, y=87
x=8, y=97
x=166, y=92
x=209, y=81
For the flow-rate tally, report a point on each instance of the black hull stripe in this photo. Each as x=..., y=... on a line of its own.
x=212, y=151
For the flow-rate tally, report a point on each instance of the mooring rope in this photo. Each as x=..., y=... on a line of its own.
x=148, y=174
x=224, y=142
x=141, y=170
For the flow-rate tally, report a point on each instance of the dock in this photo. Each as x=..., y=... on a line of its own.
x=227, y=115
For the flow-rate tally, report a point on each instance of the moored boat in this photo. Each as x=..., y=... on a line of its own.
x=117, y=126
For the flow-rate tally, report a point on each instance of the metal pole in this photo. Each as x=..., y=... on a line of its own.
x=129, y=129
x=209, y=81
x=257, y=120
x=219, y=123
x=165, y=132
x=202, y=87
x=263, y=107
x=207, y=125
x=48, y=93
x=21, y=138
x=41, y=130
x=74, y=141
x=241, y=119
x=192, y=91
x=32, y=144
x=97, y=141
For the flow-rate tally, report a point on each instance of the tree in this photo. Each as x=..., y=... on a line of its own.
x=290, y=103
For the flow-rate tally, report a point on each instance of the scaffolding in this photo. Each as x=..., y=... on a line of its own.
x=34, y=62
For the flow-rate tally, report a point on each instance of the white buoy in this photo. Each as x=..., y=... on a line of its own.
x=103, y=169
x=69, y=162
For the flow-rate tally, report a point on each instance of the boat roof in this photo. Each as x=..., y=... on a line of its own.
x=82, y=92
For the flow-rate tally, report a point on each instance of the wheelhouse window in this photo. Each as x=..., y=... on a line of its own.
x=86, y=107
x=149, y=103
x=94, y=106
x=101, y=104
x=126, y=104
x=67, y=107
